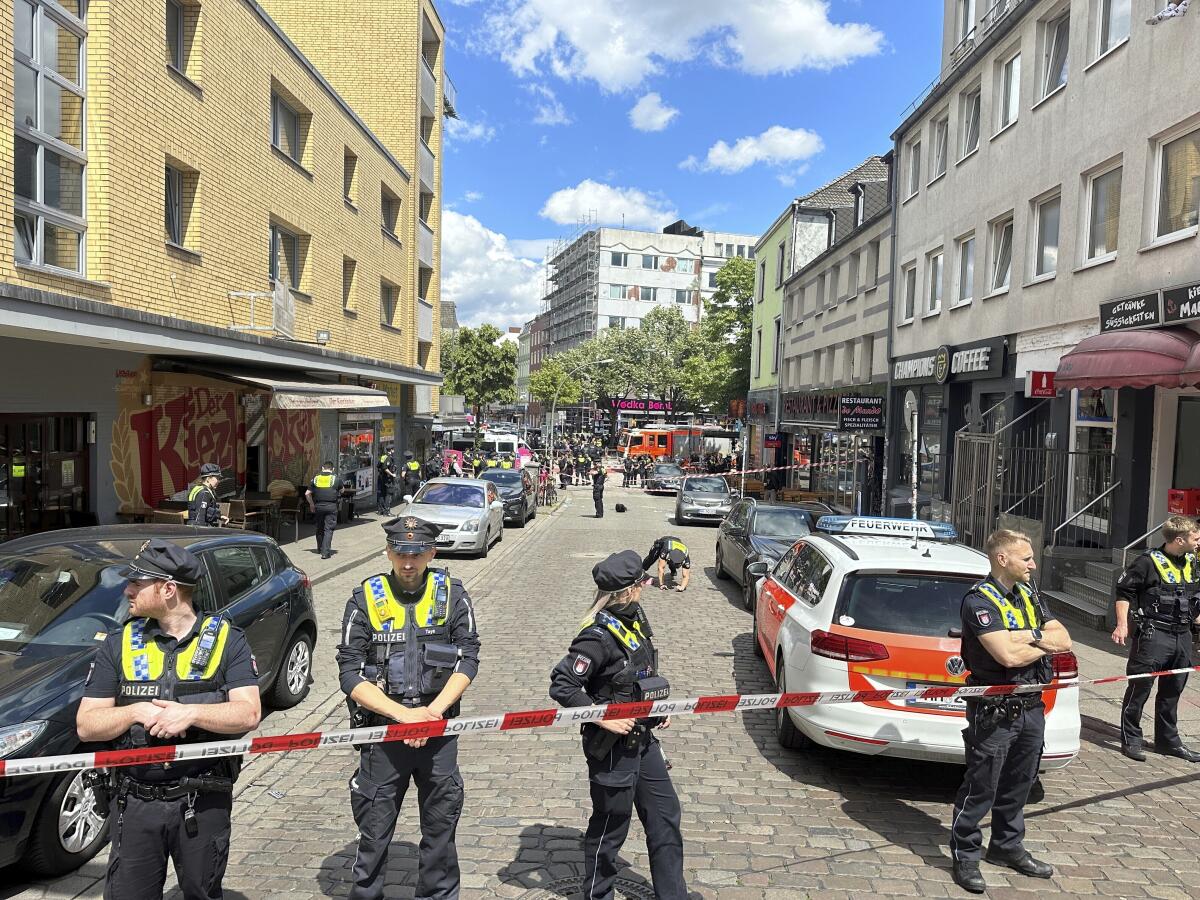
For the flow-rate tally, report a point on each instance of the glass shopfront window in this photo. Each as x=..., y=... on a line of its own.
x=356, y=456
x=1093, y=433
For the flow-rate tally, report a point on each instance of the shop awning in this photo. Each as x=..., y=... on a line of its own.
x=297, y=392
x=1163, y=357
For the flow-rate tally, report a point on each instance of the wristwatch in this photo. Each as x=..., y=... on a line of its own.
x=1037, y=636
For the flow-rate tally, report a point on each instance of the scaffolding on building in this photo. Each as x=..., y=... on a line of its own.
x=572, y=285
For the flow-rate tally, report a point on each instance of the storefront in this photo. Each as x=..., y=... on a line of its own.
x=834, y=441
x=761, y=421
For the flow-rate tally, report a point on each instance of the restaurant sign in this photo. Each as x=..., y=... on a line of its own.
x=860, y=414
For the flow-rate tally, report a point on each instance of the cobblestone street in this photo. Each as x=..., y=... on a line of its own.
x=759, y=821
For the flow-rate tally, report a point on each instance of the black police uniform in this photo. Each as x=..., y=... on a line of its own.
x=598, y=480
x=1162, y=592
x=412, y=476
x=1004, y=735
x=325, y=492
x=176, y=810
x=203, y=507
x=384, y=475
x=411, y=664
x=673, y=551
x=613, y=660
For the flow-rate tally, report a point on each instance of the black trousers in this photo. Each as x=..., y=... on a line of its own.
x=376, y=792
x=148, y=832
x=326, y=519
x=620, y=782
x=598, y=499
x=1161, y=650
x=384, y=499
x=1002, y=764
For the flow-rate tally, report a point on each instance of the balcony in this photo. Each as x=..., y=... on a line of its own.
x=997, y=12
x=426, y=167
x=428, y=89
x=424, y=322
x=963, y=49
x=424, y=245
x=449, y=97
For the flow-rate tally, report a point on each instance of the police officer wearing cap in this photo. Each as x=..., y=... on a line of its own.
x=599, y=476
x=169, y=676
x=203, y=507
x=322, y=495
x=1008, y=637
x=409, y=649
x=613, y=660
x=670, y=553
x=1162, y=588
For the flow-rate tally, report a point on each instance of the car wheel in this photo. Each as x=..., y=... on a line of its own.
x=68, y=831
x=679, y=519
x=295, y=674
x=523, y=517
x=786, y=731
x=487, y=545
x=533, y=511
x=748, y=590
x=720, y=567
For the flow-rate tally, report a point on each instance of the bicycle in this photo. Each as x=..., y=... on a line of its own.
x=547, y=495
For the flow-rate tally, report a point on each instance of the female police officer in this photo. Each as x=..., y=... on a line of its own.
x=612, y=660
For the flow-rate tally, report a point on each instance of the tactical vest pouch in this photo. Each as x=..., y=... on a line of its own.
x=439, y=662
x=394, y=685
x=653, y=688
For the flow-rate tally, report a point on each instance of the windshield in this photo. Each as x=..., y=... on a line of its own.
x=61, y=596
x=506, y=477
x=789, y=523
x=668, y=470
x=924, y=605
x=442, y=494
x=706, y=486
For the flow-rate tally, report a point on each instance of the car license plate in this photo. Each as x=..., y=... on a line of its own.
x=445, y=539
x=950, y=705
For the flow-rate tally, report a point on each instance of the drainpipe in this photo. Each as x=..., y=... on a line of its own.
x=890, y=406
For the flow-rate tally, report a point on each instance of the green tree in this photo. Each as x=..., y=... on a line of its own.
x=478, y=368
x=550, y=378
x=720, y=369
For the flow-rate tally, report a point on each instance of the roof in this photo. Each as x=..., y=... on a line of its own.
x=837, y=192
x=876, y=552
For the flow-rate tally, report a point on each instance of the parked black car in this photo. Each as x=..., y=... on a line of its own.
x=517, y=490
x=758, y=532
x=60, y=594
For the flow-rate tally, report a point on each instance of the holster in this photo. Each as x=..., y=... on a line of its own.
x=101, y=783
x=598, y=743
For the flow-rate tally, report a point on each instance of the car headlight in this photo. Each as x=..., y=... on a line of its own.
x=14, y=737
x=469, y=527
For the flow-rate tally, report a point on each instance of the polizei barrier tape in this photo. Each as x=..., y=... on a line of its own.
x=512, y=721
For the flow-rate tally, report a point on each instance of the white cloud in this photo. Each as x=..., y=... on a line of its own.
x=483, y=275
x=651, y=114
x=777, y=147
x=462, y=132
x=611, y=205
x=531, y=248
x=550, y=110
x=472, y=196
x=619, y=43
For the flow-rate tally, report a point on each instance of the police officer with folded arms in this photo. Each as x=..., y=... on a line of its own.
x=1160, y=593
x=409, y=650
x=322, y=495
x=169, y=676
x=203, y=507
x=1008, y=637
x=613, y=660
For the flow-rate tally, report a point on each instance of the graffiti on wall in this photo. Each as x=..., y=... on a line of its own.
x=292, y=445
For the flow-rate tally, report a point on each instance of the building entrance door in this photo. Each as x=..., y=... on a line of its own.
x=44, y=466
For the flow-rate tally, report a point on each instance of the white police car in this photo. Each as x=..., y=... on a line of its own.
x=874, y=604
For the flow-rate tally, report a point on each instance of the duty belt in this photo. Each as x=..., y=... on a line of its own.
x=174, y=790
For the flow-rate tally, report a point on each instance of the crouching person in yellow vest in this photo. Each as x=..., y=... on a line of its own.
x=169, y=677
x=409, y=650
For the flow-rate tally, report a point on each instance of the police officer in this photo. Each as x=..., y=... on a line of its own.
x=203, y=508
x=322, y=496
x=1007, y=638
x=411, y=474
x=1162, y=587
x=613, y=660
x=670, y=553
x=582, y=466
x=169, y=676
x=599, y=477
x=409, y=649
x=385, y=477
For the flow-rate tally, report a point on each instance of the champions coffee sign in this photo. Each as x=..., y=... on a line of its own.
x=860, y=414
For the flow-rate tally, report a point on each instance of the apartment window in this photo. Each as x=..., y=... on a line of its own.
x=180, y=197
x=873, y=262
x=935, y=271
x=852, y=285
x=619, y=259
x=48, y=62
x=835, y=284
x=349, y=175
x=712, y=279
x=941, y=146
x=966, y=19
x=1104, y=213
x=389, y=210
x=728, y=251
x=285, y=127
x=914, y=168
x=1010, y=93
x=1179, y=184
x=1045, y=255
x=685, y=266
x=617, y=322
x=966, y=270
x=616, y=292
x=910, y=294
x=349, y=268
x=649, y=294
x=819, y=303
x=649, y=261
x=970, y=122
x=762, y=280
x=682, y=295
x=1114, y=23
x=777, y=346
x=741, y=250
x=175, y=35
x=757, y=352
x=1057, y=38
x=1002, y=244
x=389, y=294
x=749, y=253
x=286, y=261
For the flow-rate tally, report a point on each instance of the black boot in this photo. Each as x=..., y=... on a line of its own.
x=967, y=876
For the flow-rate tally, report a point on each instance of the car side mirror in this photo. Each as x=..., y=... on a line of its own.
x=408, y=498
x=955, y=632
x=497, y=504
x=737, y=495
x=758, y=569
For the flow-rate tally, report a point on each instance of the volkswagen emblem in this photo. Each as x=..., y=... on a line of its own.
x=955, y=666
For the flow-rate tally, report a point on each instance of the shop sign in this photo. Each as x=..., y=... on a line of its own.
x=984, y=359
x=759, y=409
x=631, y=405
x=1040, y=384
x=860, y=414
x=1131, y=312
x=387, y=429
x=811, y=406
x=773, y=441
x=1182, y=303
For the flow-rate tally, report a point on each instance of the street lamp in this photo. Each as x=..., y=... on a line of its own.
x=554, y=402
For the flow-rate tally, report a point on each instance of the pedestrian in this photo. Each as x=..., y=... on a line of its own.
x=599, y=476
x=322, y=496
x=411, y=473
x=1162, y=588
x=1008, y=637
x=670, y=553
x=613, y=660
x=627, y=472
x=774, y=482
x=582, y=466
x=409, y=650
x=385, y=477
x=169, y=676
x=456, y=469
x=203, y=508
x=568, y=470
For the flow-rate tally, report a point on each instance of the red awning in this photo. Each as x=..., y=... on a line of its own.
x=1164, y=357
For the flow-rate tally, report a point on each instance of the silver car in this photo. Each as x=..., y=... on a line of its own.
x=469, y=511
x=703, y=497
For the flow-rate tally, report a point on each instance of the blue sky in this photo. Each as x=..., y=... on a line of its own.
x=716, y=111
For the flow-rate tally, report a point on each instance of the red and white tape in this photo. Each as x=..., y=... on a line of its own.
x=513, y=721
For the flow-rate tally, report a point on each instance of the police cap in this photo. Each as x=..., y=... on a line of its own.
x=160, y=560
x=408, y=534
x=209, y=469
x=408, y=454
x=676, y=557
x=619, y=571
